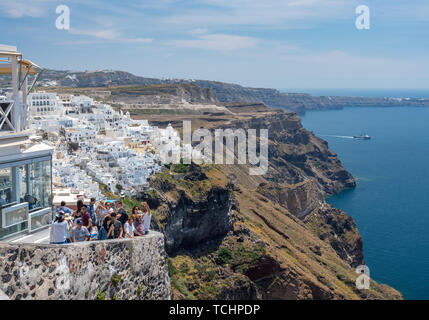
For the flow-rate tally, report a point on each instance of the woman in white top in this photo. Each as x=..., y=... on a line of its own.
x=129, y=228
x=58, y=232
x=147, y=216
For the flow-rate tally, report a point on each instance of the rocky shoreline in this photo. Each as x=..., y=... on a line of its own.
x=269, y=237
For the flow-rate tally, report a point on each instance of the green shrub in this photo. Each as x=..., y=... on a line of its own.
x=172, y=270
x=100, y=295
x=224, y=256
x=181, y=286
x=184, y=267
x=340, y=277
x=115, y=279
x=153, y=193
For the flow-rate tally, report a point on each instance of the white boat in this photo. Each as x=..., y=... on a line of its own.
x=363, y=137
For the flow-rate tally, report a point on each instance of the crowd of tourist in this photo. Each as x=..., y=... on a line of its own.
x=107, y=220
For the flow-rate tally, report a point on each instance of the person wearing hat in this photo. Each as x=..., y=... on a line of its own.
x=59, y=229
x=79, y=233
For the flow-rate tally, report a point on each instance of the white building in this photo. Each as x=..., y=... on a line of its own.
x=113, y=148
x=82, y=101
x=81, y=134
x=43, y=103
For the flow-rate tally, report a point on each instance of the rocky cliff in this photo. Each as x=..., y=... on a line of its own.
x=228, y=241
x=296, y=154
x=301, y=102
x=234, y=236
x=101, y=78
x=163, y=94
x=225, y=92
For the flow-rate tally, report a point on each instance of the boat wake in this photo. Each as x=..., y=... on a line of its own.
x=330, y=135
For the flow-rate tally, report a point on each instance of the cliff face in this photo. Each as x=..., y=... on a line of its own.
x=161, y=94
x=299, y=199
x=296, y=155
x=234, y=236
x=251, y=246
x=300, y=102
x=225, y=92
x=339, y=230
x=102, y=78
x=188, y=221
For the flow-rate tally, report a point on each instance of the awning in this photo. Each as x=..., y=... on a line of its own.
x=6, y=68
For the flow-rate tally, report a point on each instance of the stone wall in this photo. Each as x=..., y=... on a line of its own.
x=112, y=269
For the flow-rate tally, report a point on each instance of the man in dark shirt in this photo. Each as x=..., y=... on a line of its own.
x=116, y=230
x=91, y=210
x=121, y=213
x=86, y=218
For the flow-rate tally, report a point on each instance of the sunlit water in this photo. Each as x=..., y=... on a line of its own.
x=391, y=202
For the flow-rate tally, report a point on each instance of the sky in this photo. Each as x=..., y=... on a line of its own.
x=265, y=43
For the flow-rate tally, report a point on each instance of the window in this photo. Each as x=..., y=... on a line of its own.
x=24, y=183
x=40, y=184
x=6, y=194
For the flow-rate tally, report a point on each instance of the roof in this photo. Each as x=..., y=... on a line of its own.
x=40, y=147
x=6, y=68
x=5, y=49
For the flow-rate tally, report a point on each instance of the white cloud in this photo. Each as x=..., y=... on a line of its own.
x=100, y=34
x=21, y=8
x=109, y=35
x=284, y=13
x=135, y=40
x=217, y=42
x=198, y=31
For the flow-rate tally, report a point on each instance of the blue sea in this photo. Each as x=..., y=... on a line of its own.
x=371, y=93
x=391, y=201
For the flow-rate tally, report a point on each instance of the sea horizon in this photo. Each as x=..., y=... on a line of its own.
x=361, y=92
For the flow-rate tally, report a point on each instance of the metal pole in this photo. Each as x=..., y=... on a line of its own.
x=25, y=113
x=15, y=112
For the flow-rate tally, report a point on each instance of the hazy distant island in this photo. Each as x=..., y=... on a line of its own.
x=220, y=92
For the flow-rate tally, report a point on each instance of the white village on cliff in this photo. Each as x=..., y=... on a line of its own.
x=58, y=147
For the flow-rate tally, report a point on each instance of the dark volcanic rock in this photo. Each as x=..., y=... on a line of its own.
x=191, y=222
x=195, y=173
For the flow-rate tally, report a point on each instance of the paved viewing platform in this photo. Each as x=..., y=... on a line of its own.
x=38, y=237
